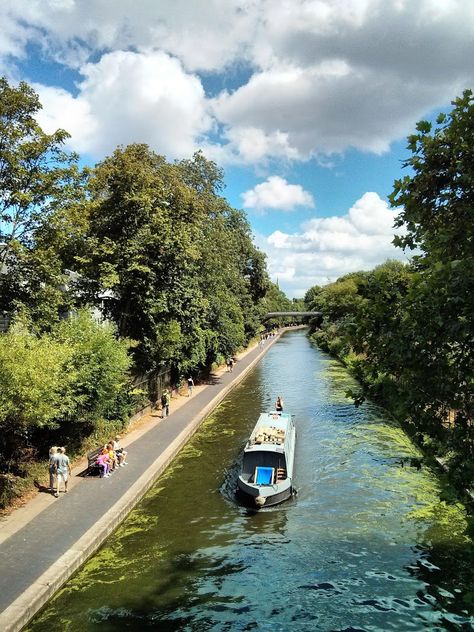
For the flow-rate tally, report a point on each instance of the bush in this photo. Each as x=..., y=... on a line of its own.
x=59, y=388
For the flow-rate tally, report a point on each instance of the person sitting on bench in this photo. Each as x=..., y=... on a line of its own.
x=120, y=453
x=103, y=461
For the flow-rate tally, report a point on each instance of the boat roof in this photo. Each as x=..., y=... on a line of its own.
x=270, y=431
x=273, y=418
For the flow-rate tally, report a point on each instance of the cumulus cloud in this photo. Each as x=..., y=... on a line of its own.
x=62, y=110
x=73, y=30
x=320, y=112
x=326, y=248
x=276, y=193
x=131, y=97
x=253, y=145
x=321, y=76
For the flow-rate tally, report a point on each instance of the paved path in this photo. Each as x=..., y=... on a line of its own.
x=40, y=555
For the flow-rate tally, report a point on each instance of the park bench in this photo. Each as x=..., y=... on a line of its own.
x=92, y=460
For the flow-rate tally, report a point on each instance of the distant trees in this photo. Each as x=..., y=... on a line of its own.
x=276, y=301
x=408, y=331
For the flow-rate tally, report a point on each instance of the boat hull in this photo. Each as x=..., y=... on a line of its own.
x=267, y=468
x=247, y=495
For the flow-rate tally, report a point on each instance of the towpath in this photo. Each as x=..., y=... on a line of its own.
x=42, y=544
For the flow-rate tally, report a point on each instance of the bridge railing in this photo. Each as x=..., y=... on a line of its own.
x=292, y=314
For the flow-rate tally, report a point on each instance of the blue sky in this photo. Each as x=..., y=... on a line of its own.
x=306, y=104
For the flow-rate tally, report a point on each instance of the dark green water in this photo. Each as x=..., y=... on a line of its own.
x=368, y=544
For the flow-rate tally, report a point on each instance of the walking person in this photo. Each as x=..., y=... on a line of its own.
x=190, y=386
x=165, y=404
x=64, y=470
x=53, y=467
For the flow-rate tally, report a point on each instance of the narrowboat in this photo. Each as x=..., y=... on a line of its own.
x=266, y=478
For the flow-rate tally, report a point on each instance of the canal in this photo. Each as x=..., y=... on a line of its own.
x=371, y=542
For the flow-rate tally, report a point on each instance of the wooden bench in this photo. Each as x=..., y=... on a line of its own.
x=92, y=460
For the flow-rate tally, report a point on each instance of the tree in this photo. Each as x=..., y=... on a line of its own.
x=183, y=276
x=35, y=387
x=437, y=201
x=99, y=363
x=437, y=212
x=276, y=301
x=40, y=183
x=34, y=169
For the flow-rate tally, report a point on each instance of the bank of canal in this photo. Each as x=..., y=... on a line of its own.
x=368, y=544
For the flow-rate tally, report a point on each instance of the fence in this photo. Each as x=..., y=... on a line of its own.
x=147, y=390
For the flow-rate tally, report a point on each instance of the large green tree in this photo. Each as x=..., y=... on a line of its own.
x=173, y=263
x=40, y=194
x=437, y=211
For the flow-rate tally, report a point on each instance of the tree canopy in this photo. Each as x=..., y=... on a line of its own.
x=182, y=274
x=40, y=191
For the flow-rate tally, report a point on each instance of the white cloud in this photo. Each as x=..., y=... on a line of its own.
x=131, y=97
x=62, y=110
x=326, y=248
x=276, y=193
x=204, y=34
x=321, y=76
x=317, y=111
x=252, y=145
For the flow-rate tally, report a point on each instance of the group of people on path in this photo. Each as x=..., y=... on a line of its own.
x=266, y=336
x=111, y=457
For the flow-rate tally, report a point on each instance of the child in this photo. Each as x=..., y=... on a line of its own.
x=103, y=463
x=112, y=456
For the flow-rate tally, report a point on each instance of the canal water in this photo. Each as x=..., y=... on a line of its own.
x=371, y=542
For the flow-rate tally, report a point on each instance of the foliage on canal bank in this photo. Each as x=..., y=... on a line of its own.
x=62, y=385
x=407, y=331
x=146, y=245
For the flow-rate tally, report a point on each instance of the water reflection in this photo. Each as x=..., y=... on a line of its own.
x=370, y=543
